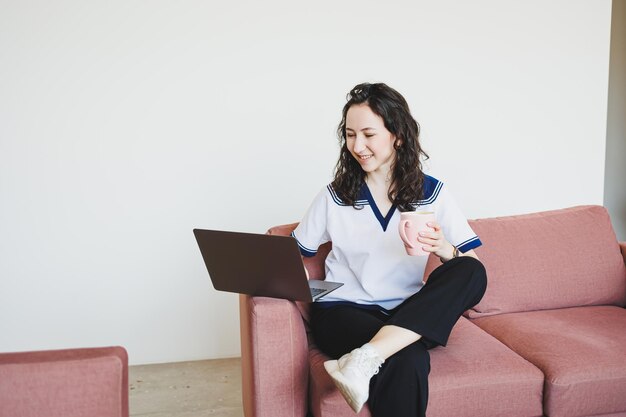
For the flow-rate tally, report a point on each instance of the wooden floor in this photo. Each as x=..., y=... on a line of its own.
x=187, y=389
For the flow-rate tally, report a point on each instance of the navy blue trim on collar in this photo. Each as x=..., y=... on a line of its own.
x=432, y=187
x=361, y=201
x=384, y=221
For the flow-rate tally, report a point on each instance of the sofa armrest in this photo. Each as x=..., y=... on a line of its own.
x=274, y=352
x=622, y=246
x=90, y=382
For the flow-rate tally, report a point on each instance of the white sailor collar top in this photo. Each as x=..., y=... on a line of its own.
x=367, y=253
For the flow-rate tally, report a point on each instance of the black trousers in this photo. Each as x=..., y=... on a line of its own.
x=400, y=389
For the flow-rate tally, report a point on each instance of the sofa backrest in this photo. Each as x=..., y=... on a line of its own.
x=552, y=259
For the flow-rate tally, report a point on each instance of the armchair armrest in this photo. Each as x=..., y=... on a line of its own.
x=90, y=382
x=274, y=358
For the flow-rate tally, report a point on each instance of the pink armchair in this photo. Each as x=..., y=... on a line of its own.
x=90, y=382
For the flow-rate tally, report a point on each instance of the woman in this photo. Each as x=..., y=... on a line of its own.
x=382, y=321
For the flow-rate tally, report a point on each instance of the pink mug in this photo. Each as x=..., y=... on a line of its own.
x=411, y=223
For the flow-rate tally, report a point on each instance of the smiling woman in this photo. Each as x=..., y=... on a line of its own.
x=382, y=322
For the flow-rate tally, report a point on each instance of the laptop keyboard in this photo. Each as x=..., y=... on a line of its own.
x=316, y=291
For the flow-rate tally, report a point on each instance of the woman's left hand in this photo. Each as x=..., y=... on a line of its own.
x=435, y=242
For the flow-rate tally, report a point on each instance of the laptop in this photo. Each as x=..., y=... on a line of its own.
x=260, y=265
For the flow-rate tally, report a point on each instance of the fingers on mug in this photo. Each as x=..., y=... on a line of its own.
x=411, y=224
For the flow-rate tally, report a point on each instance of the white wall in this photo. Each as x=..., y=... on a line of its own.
x=125, y=124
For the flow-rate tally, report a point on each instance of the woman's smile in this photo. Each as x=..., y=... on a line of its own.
x=368, y=140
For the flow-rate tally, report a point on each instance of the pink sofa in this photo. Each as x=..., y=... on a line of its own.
x=548, y=338
x=89, y=382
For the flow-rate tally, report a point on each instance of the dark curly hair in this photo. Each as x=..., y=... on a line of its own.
x=407, y=181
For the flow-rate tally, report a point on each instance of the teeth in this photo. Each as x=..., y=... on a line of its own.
x=365, y=156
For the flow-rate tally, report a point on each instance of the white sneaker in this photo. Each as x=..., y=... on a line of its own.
x=352, y=374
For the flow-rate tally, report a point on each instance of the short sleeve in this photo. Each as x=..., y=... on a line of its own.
x=312, y=230
x=454, y=224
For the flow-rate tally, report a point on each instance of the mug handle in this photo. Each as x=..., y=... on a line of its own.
x=403, y=236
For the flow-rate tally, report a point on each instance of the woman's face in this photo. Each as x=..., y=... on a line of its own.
x=368, y=140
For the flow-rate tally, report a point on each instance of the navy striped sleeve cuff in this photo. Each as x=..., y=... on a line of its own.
x=469, y=244
x=306, y=252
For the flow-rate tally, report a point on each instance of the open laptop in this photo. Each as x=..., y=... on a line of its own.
x=255, y=264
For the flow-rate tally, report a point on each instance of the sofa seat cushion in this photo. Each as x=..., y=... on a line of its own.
x=581, y=351
x=473, y=376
